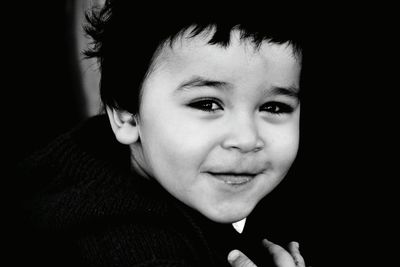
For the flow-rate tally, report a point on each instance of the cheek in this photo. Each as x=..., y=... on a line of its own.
x=284, y=147
x=175, y=146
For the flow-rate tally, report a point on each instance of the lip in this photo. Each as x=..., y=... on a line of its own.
x=234, y=179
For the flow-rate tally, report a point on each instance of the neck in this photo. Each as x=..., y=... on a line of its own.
x=137, y=162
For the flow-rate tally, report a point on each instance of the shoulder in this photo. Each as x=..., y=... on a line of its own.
x=73, y=153
x=136, y=242
x=86, y=203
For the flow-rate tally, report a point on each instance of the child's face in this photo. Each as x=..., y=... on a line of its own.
x=219, y=127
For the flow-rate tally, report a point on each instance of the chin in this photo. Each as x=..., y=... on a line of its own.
x=228, y=216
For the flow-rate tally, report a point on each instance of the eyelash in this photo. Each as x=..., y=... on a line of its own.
x=277, y=108
x=213, y=105
x=206, y=105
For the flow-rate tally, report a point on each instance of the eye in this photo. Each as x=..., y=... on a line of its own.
x=209, y=105
x=276, y=108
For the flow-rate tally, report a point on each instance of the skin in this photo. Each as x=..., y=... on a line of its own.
x=217, y=127
x=281, y=257
x=213, y=129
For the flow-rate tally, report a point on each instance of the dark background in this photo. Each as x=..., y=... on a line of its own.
x=346, y=111
x=42, y=97
x=45, y=86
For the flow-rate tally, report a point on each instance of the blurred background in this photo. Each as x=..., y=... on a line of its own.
x=51, y=86
x=47, y=88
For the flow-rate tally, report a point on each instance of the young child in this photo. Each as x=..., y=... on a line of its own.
x=202, y=123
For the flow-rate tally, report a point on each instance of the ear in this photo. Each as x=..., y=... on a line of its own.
x=124, y=126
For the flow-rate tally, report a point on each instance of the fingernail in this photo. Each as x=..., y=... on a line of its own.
x=233, y=255
x=266, y=242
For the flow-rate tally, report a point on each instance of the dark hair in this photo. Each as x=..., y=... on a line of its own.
x=126, y=36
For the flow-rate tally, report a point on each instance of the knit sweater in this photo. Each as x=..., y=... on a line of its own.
x=88, y=208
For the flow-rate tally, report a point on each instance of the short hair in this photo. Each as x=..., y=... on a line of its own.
x=125, y=37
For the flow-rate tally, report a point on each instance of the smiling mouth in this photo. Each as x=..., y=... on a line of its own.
x=234, y=178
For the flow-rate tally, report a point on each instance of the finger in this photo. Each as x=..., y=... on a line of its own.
x=295, y=252
x=281, y=257
x=237, y=259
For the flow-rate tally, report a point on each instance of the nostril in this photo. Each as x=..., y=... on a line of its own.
x=243, y=134
x=244, y=146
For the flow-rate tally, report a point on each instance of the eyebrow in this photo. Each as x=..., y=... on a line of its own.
x=291, y=91
x=198, y=81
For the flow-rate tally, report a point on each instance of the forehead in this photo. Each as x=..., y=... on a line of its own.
x=186, y=49
x=239, y=59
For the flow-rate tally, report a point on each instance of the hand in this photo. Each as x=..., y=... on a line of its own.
x=281, y=257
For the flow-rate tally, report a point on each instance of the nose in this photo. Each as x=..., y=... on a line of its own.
x=243, y=134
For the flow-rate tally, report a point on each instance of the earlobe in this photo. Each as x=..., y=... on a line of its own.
x=124, y=126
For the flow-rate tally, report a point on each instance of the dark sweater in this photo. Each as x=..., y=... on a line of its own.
x=85, y=207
